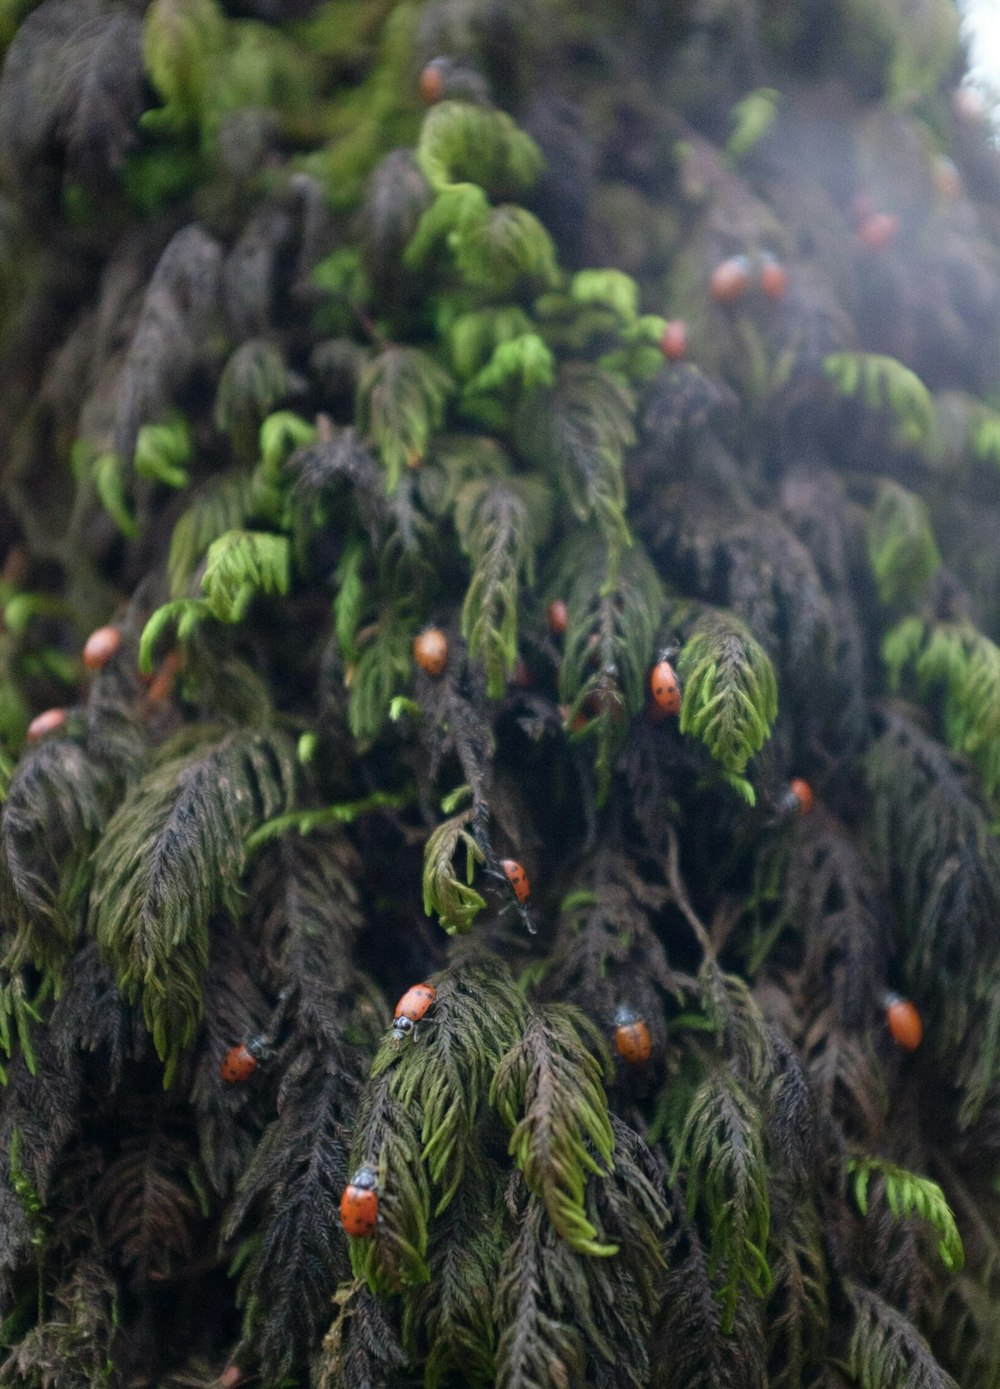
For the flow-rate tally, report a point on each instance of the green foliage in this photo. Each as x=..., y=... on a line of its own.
x=611, y=288
x=241, y=564
x=473, y=339
x=402, y=396
x=18, y=1013
x=751, y=119
x=183, y=40
x=500, y=524
x=170, y=856
x=886, y=1350
x=383, y=665
x=523, y=362
x=907, y=1195
x=901, y=546
x=161, y=450
x=721, y=1156
x=730, y=695
x=224, y=504
x=461, y=143
x=108, y=478
x=548, y=1091
x=253, y=382
x=885, y=384
x=503, y=250
x=457, y=904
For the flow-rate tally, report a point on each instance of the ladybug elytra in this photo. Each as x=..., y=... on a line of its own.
x=411, y=1008
x=632, y=1040
x=359, y=1203
x=674, y=339
x=903, y=1022
x=100, y=646
x=730, y=280
x=46, y=722
x=666, y=690
x=558, y=616
x=799, y=798
x=773, y=278
x=430, y=650
x=240, y=1062
x=517, y=878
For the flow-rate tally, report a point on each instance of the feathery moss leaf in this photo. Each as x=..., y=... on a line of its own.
x=549, y=1093
x=886, y=1350
x=907, y=1195
x=730, y=694
x=170, y=856
x=241, y=564
x=182, y=40
x=885, y=384
x=161, y=450
x=460, y=143
x=226, y=503
x=401, y=400
x=901, y=546
x=457, y=904
x=504, y=251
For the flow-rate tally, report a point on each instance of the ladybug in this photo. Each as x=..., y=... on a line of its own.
x=411, y=1008
x=100, y=646
x=558, y=617
x=730, y=280
x=46, y=722
x=240, y=1062
x=674, y=340
x=799, y=798
x=903, y=1022
x=773, y=278
x=877, y=231
x=666, y=690
x=517, y=878
x=359, y=1203
x=430, y=650
x=431, y=83
x=632, y=1040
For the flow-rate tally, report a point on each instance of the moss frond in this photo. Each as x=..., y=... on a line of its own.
x=401, y=401
x=224, y=504
x=241, y=564
x=462, y=143
x=886, y=1351
x=505, y=250
x=730, y=694
x=549, y=1093
x=161, y=450
x=883, y=383
x=457, y=904
x=908, y=1195
x=170, y=856
x=901, y=546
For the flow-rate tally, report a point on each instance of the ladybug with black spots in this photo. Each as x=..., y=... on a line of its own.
x=633, y=1042
x=359, y=1203
x=240, y=1062
x=665, y=687
x=411, y=1008
x=517, y=878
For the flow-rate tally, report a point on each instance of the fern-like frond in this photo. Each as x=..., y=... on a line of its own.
x=224, y=504
x=241, y=564
x=460, y=142
x=474, y=338
x=499, y=525
x=457, y=904
x=388, y=1137
x=886, y=1350
x=383, y=668
x=885, y=384
x=721, y=1156
x=901, y=546
x=401, y=400
x=549, y=1093
x=170, y=856
x=908, y=1195
x=730, y=694
x=798, y=1308
x=161, y=450
x=507, y=250
x=254, y=381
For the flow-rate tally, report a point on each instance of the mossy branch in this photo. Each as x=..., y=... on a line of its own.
x=908, y=1195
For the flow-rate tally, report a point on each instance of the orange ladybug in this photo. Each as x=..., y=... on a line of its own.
x=674, y=340
x=411, y=1008
x=799, y=798
x=46, y=722
x=100, y=646
x=431, y=81
x=666, y=690
x=879, y=230
x=903, y=1022
x=558, y=617
x=773, y=278
x=517, y=878
x=359, y=1203
x=632, y=1040
x=430, y=650
x=240, y=1062
x=730, y=280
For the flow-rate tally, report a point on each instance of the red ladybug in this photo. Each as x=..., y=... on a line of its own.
x=730, y=280
x=558, y=617
x=879, y=230
x=432, y=81
x=359, y=1203
x=430, y=650
x=517, y=878
x=799, y=798
x=240, y=1062
x=100, y=646
x=773, y=278
x=903, y=1022
x=46, y=722
x=666, y=690
x=674, y=341
x=632, y=1040
x=411, y=1008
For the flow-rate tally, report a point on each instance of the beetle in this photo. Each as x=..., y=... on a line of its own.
x=632, y=1040
x=665, y=688
x=430, y=650
x=799, y=798
x=240, y=1062
x=100, y=646
x=411, y=1008
x=903, y=1021
x=359, y=1203
x=517, y=878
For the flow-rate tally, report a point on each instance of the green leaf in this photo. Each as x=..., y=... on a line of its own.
x=240, y=565
x=612, y=288
x=457, y=904
x=182, y=613
x=886, y=385
x=524, y=362
x=901, y=547
x=181, y=46
x=751, y=119
x=469, y=144
x=110, y=483
x=509, y=248
x=909, y=1195
x=161, y=450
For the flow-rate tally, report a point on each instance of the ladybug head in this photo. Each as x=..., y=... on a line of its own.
x=625, y=1016
x=259, y=1048
x=365, y=1177
x=402, y=1027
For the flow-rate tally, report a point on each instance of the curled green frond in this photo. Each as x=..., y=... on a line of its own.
x=241, y=564
x=460, y=143
x=730, y=694
x=523, y=362
x=280, y=434
x=721, y=1156
x=500, y=524
x=549, y=1092
x=908, y=1195
x=457, y=904
x=253, y=382
x=109, y=483
x=751, y=119
x=901, y=547
x=402, y=395
x=18, y=1016
x=182, y=613
x=508, y=247
x=580, y=430
x=161, y=450
x=170, y=856
x=457, y=212
x=886, y=1350
x=473, y=338
x=885, y=384
x=610, y=288
x=225, y=504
